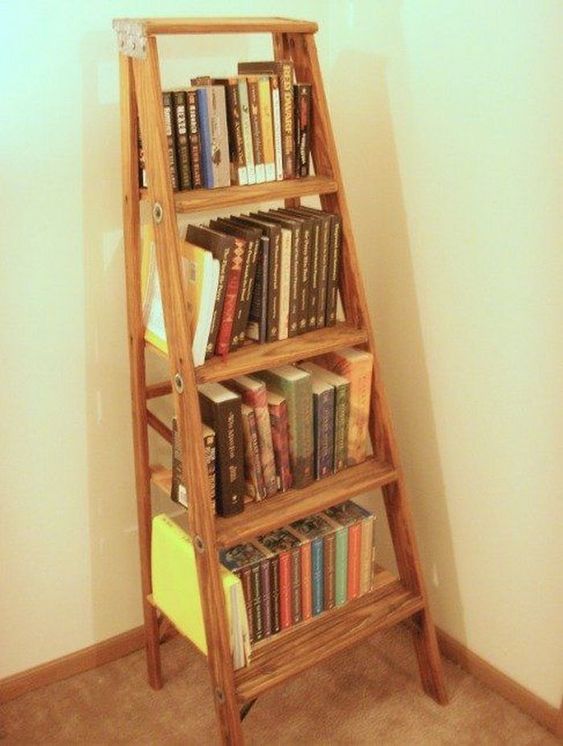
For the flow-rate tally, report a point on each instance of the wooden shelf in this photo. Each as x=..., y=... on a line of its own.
x=228, y=25
x=282, y=656
x=285, y=507
x=253, y=356
x=198, y=200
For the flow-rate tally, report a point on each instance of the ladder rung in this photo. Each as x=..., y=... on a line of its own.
x=234, y=25
x=159, y=426
x=197, y=200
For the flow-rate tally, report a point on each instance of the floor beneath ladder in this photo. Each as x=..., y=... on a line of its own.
x=367, y=695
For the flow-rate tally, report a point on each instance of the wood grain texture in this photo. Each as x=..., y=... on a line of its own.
x=284, y=655
x=200, y=517
x=135, y=325
x=226, y=25
x=154, y=390
x=198, y=200
x=159, y=426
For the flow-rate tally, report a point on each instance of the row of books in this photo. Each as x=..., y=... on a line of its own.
x=247, y=129
x=301, y=570
x=263, y=276
x=281, y=428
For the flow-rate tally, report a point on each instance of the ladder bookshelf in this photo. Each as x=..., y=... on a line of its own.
x=393, y=599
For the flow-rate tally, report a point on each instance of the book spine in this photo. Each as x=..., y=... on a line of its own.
x=329, y=564
x=246, y=128
x=366, y=554
x=324, y=433
x=303, y=127
x=341, y=566
x=335, y=251
x=274, y=288
x=301, y=428
x=178, y=491
x=258, y=401
x=230, y=302
x=265, y=103
x=258, y=314
x=182, y=144
x=296, y=610
x=302, y=282
x=257, y=143
x=295, y=289
x=253, y=467
x=220, y=163
x=276, y=123
x=239, y=174
x=342, y=411
x=169, y=132
x=360, y=396
x=275, y=593
x=280, y=443
x=143, y=181
x=247, y=291
x=205, y=134
x=315, y=276
x=257, y=620
x=244, y=574
x=317, y=576
x=194, y=139
x=243, y=248
x=285, y=590
x=285, y=284
x=324, y=253
x=309, y=300
x=210, y=460
x=224, y=273
x=266, y=596
x=287, y=115
x=354, y=549
x=306, y=581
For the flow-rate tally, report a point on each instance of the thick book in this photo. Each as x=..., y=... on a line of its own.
x=204, y=124
x=303, y=125
x=310, y=228
x=279, y=422
x=295, y=386
x=179, y=101
x=170, y=139
x=221, y=410
x=277, y=125
x=237, y=156
x=320, y=258
x=176, y=591
x=357, y=367
x=347, y=515
x=256, y=128
x=223, y=249
x=201, y=279
x=244, y=560
x=275, y=235
x=194, y=138
x=314, y=528
x=253, y=393
x=287, y=547
x=267, y=126
x=179, y=493
x=252, y=465
x=283, y=69
x=246, y=130
x=340, y=561
x=341, y=410
x=323, y=422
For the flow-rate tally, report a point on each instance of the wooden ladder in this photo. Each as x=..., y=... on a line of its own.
x=392, y=600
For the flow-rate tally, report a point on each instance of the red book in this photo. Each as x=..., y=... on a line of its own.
x=277, y=407
x=230, y=303
x=285, y=590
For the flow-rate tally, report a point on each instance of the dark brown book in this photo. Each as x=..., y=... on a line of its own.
x=194, y=138
x=311, y=251
x=303, y=114
x=221, y=410
x=222, y=248
x=252, y=239
x=256, y=128
x=245, y=560
x=284, y=543
x=252, y=466
x=179, y=101
x=284, y=70
x=143, y=181
x=170, y=139
x=277, y=409
x=325, y=219
x=178, y=492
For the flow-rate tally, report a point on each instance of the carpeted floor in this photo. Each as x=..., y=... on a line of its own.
x=369, y=695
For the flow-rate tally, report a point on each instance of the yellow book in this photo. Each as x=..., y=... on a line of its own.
x=267, y=126
x=176, y=588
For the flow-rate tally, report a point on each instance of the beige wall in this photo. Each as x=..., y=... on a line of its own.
x=448, y=117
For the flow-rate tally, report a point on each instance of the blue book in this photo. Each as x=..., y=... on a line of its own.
x=314, y=528
x=205, y=134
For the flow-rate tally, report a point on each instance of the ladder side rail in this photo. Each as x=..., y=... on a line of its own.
x=200, y=515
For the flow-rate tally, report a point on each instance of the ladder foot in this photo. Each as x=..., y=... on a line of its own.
x=428, y=656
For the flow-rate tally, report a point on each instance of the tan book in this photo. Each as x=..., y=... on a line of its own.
x=267, y=126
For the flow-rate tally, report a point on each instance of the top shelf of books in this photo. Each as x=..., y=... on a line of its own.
x=206, y=199
x=225, y=25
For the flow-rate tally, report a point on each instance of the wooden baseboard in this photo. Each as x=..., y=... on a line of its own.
x=545, y=714
x=128, y=642
x=70, y=665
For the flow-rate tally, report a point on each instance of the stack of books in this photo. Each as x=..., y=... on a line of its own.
x=301, y=570
x=281, y=428
x=247, y=129
x=263, y=276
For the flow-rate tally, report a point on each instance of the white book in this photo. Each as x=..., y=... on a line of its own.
x=246, y=130
x=276, y=122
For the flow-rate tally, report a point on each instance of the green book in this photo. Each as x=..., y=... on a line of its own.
x=341, y=561
x=295, y=385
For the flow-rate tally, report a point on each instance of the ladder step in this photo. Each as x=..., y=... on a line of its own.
x=283, y=508
x=197, y=200
x=253, y=356
x=282, y=656
x=220, y=25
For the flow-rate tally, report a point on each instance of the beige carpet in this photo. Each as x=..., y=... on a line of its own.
x=369, y=695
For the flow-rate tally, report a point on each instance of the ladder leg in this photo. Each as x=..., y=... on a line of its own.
x=131, y=219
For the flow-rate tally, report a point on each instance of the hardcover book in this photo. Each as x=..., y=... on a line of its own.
x=320, y=258
x=256, y=128
x=169, y=132
x=237, y=156
x=303, y=111
x=310, y=238
x=323, y=421
x=267, y=126
x=244, y=560
x=347, y=515
x=194, y=138
x=246, y=130
x=287, y=546
x=179, y=103
x=252, y=466
x=204, y=126
x=314, y=528
x=277, y=408
x=178, y=492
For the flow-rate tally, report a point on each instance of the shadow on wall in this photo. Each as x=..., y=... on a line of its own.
x=372, y=177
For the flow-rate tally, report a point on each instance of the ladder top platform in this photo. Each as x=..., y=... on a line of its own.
x=225, y=25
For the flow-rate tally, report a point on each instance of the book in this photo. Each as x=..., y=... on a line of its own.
x=244, y=561
x=323, y=422
x=320, y=258
x=221, y=410
x=194, y=138
x=142, y=168
x=314, y=528
x=170, y=139
x=303, y=112
x=341, y=410
x=246, y=128
x=256, y=128
x=277, y=409
x=357, y=367
x=222, y=247
x=204, y=124
x=267, y=127
x=237, y=156
x=201, y=276
x=340, y=561
x=153, y=310
x=287, y=546
x=273, y=231
x=310, y=262
x=283, y=69
x=176, y=591
x=347, y=515
x=252, y=466
x=220, y=162
x=295, y=386
x=179, y=105
x=277, y=125
x=179, y=492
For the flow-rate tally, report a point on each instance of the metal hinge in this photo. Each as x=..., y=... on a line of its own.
x=131, y=37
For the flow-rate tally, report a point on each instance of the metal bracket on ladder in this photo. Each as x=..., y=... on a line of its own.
x=131, y=37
